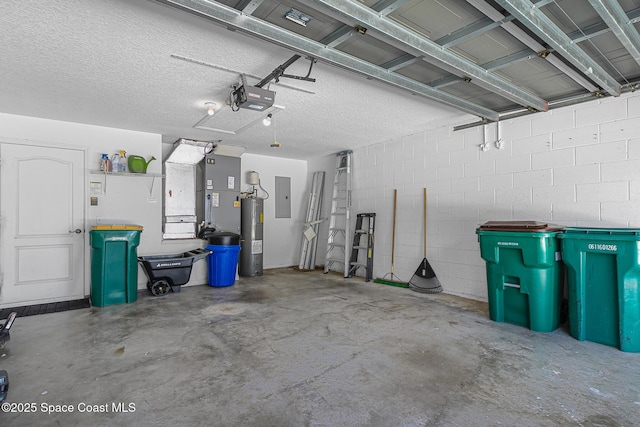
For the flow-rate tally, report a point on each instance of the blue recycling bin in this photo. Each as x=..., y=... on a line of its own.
x=223, y=260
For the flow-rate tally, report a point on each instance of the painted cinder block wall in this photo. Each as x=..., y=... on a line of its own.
x=574, y=166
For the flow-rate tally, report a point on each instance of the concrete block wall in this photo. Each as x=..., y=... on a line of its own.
x=575, y=166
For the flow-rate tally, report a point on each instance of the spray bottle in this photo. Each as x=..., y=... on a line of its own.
x=119, y=162
x=123, y=161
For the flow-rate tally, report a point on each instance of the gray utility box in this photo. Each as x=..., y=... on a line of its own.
x=221, y=188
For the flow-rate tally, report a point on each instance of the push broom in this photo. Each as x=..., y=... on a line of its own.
x=424, y=280
x=391, y=275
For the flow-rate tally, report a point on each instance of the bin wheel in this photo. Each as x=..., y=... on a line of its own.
x=160, y=288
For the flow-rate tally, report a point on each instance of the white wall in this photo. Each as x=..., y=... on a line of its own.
x=575, y=166
x=138, y=200
x=128, y=199
x=282, y=236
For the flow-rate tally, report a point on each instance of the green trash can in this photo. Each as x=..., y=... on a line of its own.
x=524, y=272
x=603, y=275
x=114, y=264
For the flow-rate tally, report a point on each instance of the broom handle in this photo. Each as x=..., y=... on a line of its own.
x=393, y=232
x=424, y=221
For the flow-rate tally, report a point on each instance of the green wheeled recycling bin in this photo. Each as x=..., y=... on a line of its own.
x=524, y=273
x=603, y=275
x=114, y=264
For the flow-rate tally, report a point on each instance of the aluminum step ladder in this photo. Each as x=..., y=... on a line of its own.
x=340, y=218
x=310, y=233
x=359, y=247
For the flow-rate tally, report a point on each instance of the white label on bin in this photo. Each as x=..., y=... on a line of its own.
x=558, y=256
x=256, y=247
x=508, y=244
x=603, y=247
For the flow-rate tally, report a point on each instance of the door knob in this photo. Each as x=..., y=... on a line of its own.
x=77, y=231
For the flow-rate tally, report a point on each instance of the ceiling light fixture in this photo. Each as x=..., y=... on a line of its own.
x=267, y=120
x=211, y=108
x=297, y=17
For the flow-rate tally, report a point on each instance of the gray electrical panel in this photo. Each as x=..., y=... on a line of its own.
x=222, y=193
x=283, y=197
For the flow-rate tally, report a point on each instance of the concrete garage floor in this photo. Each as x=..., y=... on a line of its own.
x=307, y=349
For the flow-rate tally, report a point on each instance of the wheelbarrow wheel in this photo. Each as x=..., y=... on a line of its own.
x=4, y=385
x=160, y=288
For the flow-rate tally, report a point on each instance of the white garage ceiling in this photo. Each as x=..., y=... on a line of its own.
x=151, y=66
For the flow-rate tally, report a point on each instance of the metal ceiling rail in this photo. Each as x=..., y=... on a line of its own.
x=338, y=36
x=385, y=7
x=480, y=27
x=505, y=61
x=249, y=6
x=530, y=42
x=349, y=11
x=401, y=62
x=471, y=31
x=616, y=18
x=527, y=13
x=590, y=31
x=577, y=36
x=235, y=19
x=557, y=103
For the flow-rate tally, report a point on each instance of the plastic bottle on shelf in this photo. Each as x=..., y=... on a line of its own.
x=104, y=163
x=123, y=161
x=115, y=162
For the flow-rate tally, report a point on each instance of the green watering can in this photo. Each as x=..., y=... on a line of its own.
x=137, y=164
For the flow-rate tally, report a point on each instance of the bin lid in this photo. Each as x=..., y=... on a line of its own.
x=595, y=231
x=519, y=226
x=117, y=227
x=223, y=238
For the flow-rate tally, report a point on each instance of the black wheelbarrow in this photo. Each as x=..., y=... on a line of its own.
x=169, y=272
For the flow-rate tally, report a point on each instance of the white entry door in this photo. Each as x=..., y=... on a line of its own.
x=42, y=224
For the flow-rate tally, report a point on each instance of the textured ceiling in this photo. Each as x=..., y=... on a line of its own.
x=150, y=65
x=110, y=63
